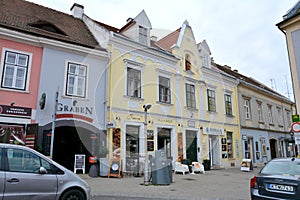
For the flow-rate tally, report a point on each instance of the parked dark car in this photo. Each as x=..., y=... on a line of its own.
x=278, y=179
x=26, y=174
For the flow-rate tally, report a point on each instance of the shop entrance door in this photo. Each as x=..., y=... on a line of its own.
x=214, y=150
x=164, y=140
x=273, y=147
x=132, y=149
x=191, y=145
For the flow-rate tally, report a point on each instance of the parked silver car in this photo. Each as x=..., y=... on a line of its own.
x=279, y=179
x=26, y=174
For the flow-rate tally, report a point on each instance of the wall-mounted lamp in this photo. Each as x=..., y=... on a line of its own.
x=118, y=118
x=75, y=102
x=201, y=127
x=12, y=103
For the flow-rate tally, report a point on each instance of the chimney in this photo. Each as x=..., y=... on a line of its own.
x=77, y=11
x=153, y=38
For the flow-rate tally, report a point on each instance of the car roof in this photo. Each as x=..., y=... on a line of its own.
x=286, y=159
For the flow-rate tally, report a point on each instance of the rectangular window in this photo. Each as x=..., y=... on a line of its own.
x=259, y=111
x=211, y=99
x=280, y=118
x=164, y=90
x=247, y=108
x=15, y=70
x=288, y=118
x=228, y=104
x=133, y=83
x=270, y=115
x=76, y=80
x=190, y=95
x=142, y=35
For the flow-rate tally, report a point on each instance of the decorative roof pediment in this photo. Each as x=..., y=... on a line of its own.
x=143, y=20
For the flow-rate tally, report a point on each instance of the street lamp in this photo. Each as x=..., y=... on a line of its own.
x=146, y=175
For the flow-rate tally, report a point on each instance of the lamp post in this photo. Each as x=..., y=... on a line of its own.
x=53, y=125
x=146, y=175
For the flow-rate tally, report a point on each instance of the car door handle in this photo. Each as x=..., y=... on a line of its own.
x=13, y=180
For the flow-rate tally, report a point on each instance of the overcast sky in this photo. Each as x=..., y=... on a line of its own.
x=240, y=33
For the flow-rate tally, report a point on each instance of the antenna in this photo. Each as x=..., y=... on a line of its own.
x=273, y=84
x=287, y=87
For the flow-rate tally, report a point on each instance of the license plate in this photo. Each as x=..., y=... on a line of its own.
x=284, y=188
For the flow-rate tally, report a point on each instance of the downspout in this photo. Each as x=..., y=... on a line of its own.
x=289, y=58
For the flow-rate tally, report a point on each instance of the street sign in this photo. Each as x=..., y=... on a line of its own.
x=297, y=140
x=296, y=127
x=295, y=118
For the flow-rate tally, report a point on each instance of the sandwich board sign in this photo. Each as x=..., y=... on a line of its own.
x=79, y=163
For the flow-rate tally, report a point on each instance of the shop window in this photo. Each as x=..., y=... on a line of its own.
x=228, y=105
x=229, y=145
x=211, y=99
x=15, y=70
x=164, y=90
x=247, y=149
x=150, y=140
x=187, y=62
x=76, y=80
x=133, y=82
x=257, y=153
x=263, y=147
x=190, y=95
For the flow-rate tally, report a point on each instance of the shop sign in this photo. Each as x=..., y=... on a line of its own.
x=17, y=111
x=191, y=124
x=74, y=109
x=213, y=131
x=111, y=124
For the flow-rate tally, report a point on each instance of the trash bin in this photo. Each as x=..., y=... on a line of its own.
x=94, y=169
x=160, y=169
x=170, y=169
x=206, y=164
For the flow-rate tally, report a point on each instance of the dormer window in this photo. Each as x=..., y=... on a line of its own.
x=143, y=35
x=187, y=62
x=47, y=26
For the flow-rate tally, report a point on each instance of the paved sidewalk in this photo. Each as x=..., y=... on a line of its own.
x=228, y=184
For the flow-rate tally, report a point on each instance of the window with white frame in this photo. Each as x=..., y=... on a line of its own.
x=15, y=70
x=190, y=95
x=76, y=80
x=288, y=118
x=228, y=104
x=133, y=82
x=143, y=35
x=247, y=108
x=280, y=118
x=270, y=114
x=259, y=111
x=211, y=100
x=164, y=90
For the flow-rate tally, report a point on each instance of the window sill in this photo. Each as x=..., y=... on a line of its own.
x=191, y=109
x=164, y=104
x=133, y=98
x=261, y=122
x=230, y=116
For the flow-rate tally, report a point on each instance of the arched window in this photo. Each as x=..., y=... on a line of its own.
x=187, y=62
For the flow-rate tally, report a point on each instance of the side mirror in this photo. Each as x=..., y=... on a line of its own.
x=43, y=170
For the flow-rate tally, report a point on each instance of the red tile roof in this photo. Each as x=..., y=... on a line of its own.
x=168, y=41
x=38, y=20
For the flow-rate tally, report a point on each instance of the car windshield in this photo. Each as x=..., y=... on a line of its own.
x=282, y=168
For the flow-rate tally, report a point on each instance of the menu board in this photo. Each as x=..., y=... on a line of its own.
x=79, y=163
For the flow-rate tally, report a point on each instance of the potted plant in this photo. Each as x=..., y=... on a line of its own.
x=104, y=161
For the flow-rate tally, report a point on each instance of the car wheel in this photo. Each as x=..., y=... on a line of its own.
x=73, y=195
